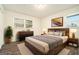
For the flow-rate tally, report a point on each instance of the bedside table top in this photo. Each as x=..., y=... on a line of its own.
x=73, y=38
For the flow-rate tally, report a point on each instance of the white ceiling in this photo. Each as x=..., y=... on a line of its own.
x=29, y=9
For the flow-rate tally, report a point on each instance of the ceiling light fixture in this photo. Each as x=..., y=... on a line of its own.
x=40, y=6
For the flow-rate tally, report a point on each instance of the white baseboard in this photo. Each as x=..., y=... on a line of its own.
x=0, y=46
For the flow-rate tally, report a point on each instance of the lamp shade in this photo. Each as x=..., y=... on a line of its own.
x=44, y=30
x=73, y=30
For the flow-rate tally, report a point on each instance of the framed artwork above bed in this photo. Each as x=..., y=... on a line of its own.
x=57, y=22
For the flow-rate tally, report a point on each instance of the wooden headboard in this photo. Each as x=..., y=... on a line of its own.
x=65, y=30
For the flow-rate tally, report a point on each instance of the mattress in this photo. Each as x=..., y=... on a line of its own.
x=64, y=38
x=42, y=46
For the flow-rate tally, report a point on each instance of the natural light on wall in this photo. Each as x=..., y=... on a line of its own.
x=40, y=6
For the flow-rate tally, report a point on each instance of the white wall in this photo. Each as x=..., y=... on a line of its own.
x=1, y=26
x=46, y=22
x=38, y=24
x=9, y=16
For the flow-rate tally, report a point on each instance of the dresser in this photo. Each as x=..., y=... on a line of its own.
x=22, y=34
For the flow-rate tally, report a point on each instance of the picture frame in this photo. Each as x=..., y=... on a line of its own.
x=57, y=22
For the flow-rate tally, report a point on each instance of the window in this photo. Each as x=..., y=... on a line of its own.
x=21, y=23
x=73, y=20
x=28, y=24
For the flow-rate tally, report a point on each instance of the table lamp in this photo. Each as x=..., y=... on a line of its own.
x=44, y=31
x=73, y=31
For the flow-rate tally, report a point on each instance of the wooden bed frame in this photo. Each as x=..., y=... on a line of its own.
x=54, y=51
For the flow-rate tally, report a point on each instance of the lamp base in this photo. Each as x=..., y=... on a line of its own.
x=73, y=35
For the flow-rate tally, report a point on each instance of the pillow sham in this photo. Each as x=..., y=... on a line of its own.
x=55, y=33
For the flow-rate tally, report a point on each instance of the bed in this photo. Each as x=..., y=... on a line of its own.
x=52, y=43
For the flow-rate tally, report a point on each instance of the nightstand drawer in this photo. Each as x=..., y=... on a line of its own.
x=73, y=42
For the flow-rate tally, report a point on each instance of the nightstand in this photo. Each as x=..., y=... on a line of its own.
x=73, y=42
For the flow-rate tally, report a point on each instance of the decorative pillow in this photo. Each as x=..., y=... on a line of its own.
x=63, y=33
x=54, y=33
x=58, y=33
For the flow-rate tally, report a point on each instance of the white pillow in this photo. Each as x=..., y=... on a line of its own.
x=60, y=33
x=50, y=33
x=56, y=33
x=53, y=33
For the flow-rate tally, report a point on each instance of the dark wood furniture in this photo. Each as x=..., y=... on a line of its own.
x=54, y=51
x=64, y=30
x=22, y=34
x=73, y=41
